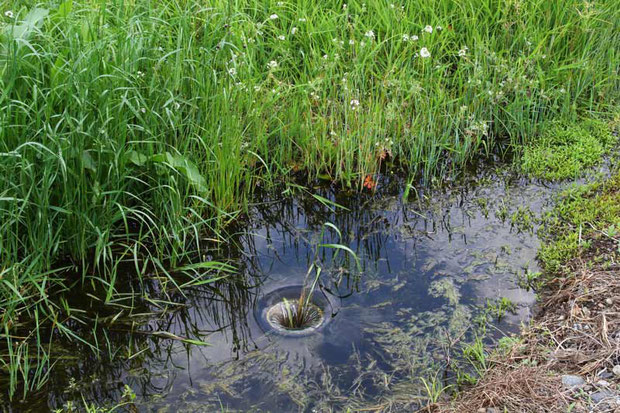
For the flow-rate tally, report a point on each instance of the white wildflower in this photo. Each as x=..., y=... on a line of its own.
x=424, y=52
x=370, y=34
x=273, y=16
x=281, y=37
x=8, y=14
x=439, y=28
x=280, y=3
x=143, y=110
x=428, y=29
x=406, y=38
x=355, y=104
x=351, y=42
x=302, y=19
x=232, y=71
x=344, y=6
x=272, y=65
x=414, y=38
x=294, y=30
x=462, y=52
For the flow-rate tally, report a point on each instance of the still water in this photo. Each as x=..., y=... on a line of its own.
x=429, y=268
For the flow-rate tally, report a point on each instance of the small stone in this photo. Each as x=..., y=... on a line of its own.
x=571, y=381
x=604, y=374
x=492, y=410
x=599, y=396
x=603, y=383
x=482, y=410
x=616, y=370
x=609, y=301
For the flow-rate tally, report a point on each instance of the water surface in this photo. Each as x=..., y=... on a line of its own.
x=429, y=266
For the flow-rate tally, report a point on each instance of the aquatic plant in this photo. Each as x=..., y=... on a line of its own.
x=434, y=388
x=499, y=307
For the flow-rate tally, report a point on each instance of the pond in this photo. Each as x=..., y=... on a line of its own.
x=429, y=268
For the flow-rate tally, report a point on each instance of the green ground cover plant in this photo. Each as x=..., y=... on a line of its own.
x=565, y=150
x=136, y=131
x=583, y=213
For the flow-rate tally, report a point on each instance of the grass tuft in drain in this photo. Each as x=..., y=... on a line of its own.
x=301, y=313
x=293, y=316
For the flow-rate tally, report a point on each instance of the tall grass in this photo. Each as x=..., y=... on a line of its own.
x=134, y=130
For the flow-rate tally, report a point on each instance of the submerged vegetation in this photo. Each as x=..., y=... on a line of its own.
x=134, y=133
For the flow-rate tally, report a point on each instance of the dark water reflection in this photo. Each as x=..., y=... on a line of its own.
x=428, y=267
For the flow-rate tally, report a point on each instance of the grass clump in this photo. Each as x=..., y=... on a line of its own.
x=564, y=150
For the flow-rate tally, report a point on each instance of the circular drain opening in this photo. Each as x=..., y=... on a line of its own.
x=278, y=311
x=289, y=315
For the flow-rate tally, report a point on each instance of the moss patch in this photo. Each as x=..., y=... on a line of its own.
x=584, y=213
x=564, y=150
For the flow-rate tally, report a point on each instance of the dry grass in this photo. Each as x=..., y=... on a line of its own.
x=582, y=316
x=516, y=389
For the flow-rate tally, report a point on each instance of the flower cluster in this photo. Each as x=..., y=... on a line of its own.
x=407, y=38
